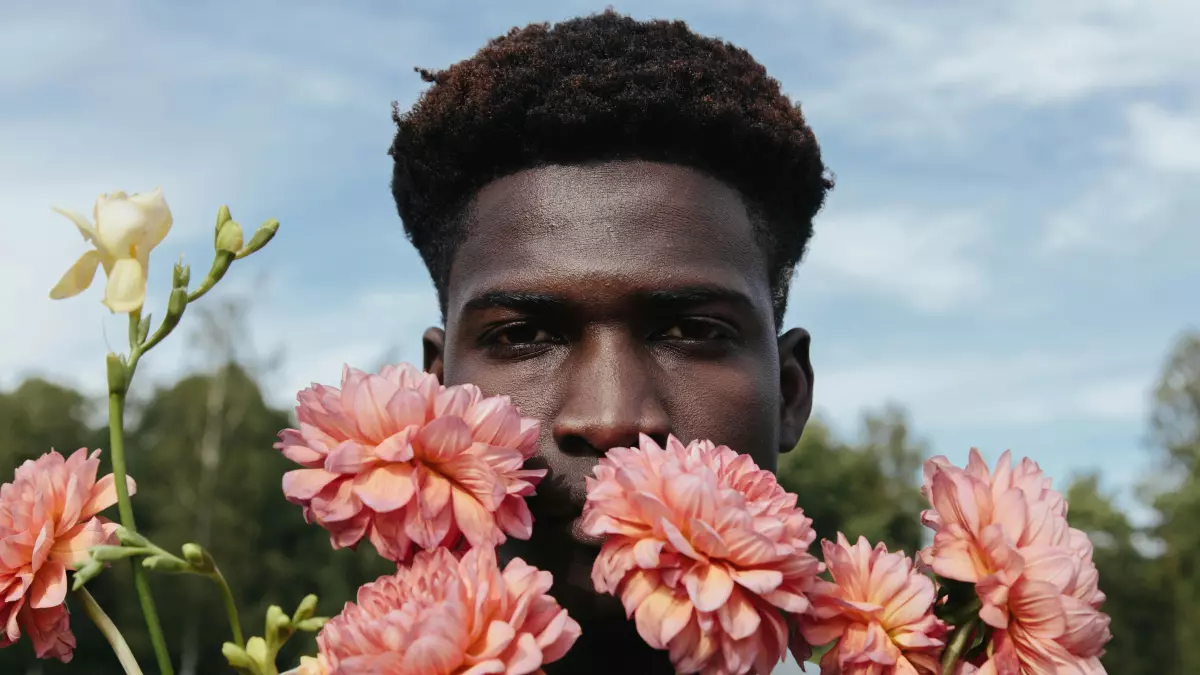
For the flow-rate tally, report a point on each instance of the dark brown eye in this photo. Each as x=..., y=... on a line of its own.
x=521, y=334
x=697, y=330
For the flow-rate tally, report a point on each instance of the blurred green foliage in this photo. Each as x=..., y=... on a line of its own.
x=200, y=450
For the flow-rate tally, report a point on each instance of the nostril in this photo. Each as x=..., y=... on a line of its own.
x=660, y=438
x=579, y=445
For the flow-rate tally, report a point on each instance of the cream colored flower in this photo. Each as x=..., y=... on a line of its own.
x=127, y=228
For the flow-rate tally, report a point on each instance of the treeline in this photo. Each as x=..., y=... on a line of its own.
x=200, y=451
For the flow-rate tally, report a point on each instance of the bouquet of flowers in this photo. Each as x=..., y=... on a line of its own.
x=709, y=555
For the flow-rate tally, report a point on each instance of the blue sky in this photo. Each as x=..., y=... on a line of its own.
x=1009, y=252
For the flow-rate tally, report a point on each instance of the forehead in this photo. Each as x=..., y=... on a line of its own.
x=605, y=230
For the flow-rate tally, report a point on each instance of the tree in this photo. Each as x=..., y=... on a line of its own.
x=1139, y=602
x=1175, y=428
x=869, y=488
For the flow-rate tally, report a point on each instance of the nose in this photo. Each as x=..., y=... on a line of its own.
x=611, y=398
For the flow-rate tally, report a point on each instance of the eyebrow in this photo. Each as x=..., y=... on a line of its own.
x=684, y=296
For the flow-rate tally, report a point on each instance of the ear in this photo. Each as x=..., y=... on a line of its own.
x=434, y=343
x=795, y=385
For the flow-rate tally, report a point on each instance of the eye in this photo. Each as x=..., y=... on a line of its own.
x=520, y=334
x=698, y=330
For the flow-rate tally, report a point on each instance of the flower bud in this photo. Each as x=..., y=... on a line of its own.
x=118, y=375
x=143, y=329
x=167, y=564
x=84, y=574
x=229, y=238
x=308, y=607
x=313, y=624
x=130, y=538
x=199, y=559
x=181, y=276
x=238, y=658
x=279, y=627
x=257, y=650
x=223, y=216
x=176, y=303
x=106, y=554
x=262, y=235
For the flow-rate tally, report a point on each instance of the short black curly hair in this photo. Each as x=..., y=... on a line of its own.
x=606, y=87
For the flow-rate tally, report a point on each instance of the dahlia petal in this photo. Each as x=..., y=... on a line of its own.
x=789, y=602
x=707, y=540
x=564, y=640
x=514, y=518
x=434, y=493
x=489, y=667
x=385, y=488
x=301, y=485
x=388, y=536
x=396, y=448
x=443, y=438
x=758, y=581
x=477, y=478
x=348, y=533
x=1040, y=607
x=49, y=630
x=71, y=549
x=526, y=658
x=748, y=548
x=677, y=539
x=452, y=402
x=430, y=531
x=303, y=455
x=646, y=552
x=1052, y=564
x=661, y=617
x=496, y=639
x=474, y=520
x=348, y=457
x=49, y=587
x=337, y=502
x=708, y=586
x=738, y=617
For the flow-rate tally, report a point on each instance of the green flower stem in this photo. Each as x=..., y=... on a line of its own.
x=958, y=644
x=230, y=608
x=109, y=629
x=116, y=434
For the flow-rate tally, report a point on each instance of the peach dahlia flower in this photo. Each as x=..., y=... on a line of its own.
x=402, y=460
x=48, y=521
x=1006, y=532
x=706, y=551
x=444, y=616
x=878, y=609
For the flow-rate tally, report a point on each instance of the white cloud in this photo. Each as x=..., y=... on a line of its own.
x=934, y=69
x=927, y=262
x=1146, y=198
x=1165, y=141
x=1018, y=389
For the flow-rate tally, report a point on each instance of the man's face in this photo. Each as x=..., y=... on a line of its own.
x=609, y=301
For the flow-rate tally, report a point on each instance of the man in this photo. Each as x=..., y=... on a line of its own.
x=611, y=211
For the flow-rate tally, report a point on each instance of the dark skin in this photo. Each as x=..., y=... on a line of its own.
x=612, y=300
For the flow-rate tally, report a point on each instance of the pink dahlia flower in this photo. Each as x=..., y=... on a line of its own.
x=402, y=460
x=705, y=550
x=1006, y=531
x=444, y=616
x=48, y=522
x=878, y=609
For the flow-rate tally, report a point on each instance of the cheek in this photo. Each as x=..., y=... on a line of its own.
x=532, y=387
x=733, y=408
